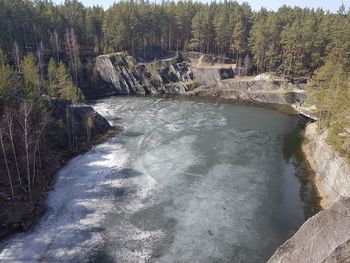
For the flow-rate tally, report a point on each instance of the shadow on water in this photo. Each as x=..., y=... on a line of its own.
x=292, y=152
x=102, y=257
x=124, y=173
x=132, y=134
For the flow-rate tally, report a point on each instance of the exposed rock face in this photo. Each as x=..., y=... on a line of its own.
x=340, y=254
x=81, y=121
x=288, y=97
x=332, y=171
x=270, y=97
x=123, y=75
x=84, y=117
x=206, y=75
x=323, y=238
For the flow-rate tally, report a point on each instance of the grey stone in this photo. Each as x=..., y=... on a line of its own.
x=323, y=238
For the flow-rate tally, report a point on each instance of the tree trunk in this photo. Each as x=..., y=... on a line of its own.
x=6, y=163
x=10, y=127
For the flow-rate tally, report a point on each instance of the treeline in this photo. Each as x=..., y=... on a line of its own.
x=291, y=41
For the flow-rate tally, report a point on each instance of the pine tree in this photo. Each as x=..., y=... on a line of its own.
x=8, y=82
x=31, y=76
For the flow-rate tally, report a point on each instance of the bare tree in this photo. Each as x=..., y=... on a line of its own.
x=57, y=45
x=6, y=162
x=40, y=59
x=16, y=56
x=72, y=49
x=9, y=121
x=68, y=128
x=36, y=148
x=25, y=113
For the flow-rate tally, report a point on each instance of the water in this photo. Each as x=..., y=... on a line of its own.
x=186, y=181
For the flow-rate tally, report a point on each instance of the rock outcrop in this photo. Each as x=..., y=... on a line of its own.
x=332, y=171
x=123, y=75
x=82, y=125
x=279, y=99
x=193, y=74
x=323, y=238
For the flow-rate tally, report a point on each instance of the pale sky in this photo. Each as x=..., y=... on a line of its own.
x=331, y=5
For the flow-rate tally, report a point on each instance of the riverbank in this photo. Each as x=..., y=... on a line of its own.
x=21, y=213
x=280, y=99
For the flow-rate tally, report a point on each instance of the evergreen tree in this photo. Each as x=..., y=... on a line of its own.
x=8, y=82
x=31, y=76
x=61, y=85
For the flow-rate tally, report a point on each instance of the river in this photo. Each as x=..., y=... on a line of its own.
x=188, y=180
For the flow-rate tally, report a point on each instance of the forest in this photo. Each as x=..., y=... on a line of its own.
x=292, y=41
x=48, y=53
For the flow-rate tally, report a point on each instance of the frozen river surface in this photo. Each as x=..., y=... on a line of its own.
x=186, y=181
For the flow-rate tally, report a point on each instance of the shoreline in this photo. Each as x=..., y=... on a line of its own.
x=39, y=208
x=325, y=201
x=331, y=169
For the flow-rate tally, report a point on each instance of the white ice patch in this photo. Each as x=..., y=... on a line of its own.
x=82, y=198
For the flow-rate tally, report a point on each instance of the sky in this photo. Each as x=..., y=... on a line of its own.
x=331, y=5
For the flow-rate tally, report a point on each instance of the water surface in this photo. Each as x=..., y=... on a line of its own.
x=186, y=181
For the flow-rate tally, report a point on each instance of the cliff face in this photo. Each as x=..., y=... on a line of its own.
x=332, y=171
x=195, y=74
x=124, y=76
x=326, y=236
x=82, y=125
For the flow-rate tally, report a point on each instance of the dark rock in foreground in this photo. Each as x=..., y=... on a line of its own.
x=323, y=238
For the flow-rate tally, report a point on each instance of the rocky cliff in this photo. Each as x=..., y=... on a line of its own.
x=332, y=171
x=123, y=75
x=326, y=236
x=192, y=74
x=323, y=238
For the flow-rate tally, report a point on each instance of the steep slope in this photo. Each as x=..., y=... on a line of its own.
x=124, y=76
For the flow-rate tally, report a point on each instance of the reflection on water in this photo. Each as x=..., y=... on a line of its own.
x=293, y=153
